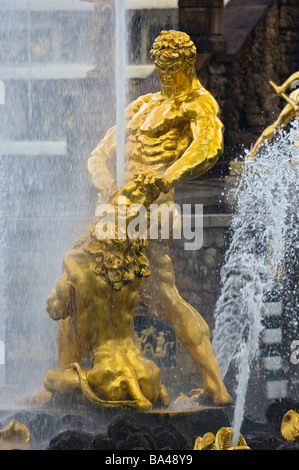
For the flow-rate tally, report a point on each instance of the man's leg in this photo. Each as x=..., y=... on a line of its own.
x=162, y=297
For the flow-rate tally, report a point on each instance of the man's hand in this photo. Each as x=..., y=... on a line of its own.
x=152, y=179
x=164, y=184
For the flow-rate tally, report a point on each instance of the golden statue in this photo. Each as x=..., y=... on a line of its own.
x=15, y=436
x=222, y=441
x=290, y=426
x=95, y=301
x=178, y=134
x=172, y=136
x=290, y=111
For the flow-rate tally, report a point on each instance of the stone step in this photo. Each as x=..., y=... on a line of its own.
x=33, y=148
x=82, y=5
x=151, y=4
x=47, y=72
x=39, y=110
x=209, y=192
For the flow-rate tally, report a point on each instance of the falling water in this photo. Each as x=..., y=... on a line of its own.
x=44, y=193
x=3, y=272
x=120, y=78
x=29, y=80
x=266, y=204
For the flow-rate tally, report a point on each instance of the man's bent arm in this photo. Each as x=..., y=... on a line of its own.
x=206, y=148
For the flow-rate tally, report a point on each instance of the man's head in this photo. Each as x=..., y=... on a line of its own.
x=173, y=54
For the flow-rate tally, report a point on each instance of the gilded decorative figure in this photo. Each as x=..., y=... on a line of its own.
x=95, y=301
x=15, y=436
x=222, y=441
x=290, y=426
x=290, y=111
x=162, y=347
x=177, y=133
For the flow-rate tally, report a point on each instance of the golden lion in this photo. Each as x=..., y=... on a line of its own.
x=94, y=301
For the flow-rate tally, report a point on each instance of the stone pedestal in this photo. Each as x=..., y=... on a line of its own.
x=72, y=428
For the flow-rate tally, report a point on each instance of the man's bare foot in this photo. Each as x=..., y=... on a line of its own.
x=223, y=398
x=220, y=398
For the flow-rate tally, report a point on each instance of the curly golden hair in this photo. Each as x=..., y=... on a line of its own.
x=173, y=45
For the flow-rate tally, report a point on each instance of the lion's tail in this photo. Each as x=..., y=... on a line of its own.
x=93, y=398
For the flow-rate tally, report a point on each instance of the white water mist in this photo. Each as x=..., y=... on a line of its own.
x=266, y=200
x=120, y=78
x=3, y=271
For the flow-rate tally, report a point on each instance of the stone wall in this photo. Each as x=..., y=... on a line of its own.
x=240, y=81
x=202, y=19
x=261, y=42
x=198, y=272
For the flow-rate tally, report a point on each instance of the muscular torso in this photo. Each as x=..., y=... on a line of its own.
x=161, y=132
x=157, y=134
